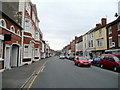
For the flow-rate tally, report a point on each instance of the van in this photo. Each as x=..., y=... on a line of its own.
x=110, y=61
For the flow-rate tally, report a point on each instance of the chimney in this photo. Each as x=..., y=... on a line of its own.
x=76, y=37
x=103, y=21
x=97, y=25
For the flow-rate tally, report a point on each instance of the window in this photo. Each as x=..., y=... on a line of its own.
x=119, y=26
x=91, y=43
x=12, y=28
x=2, y=23
x=1, y=48
x=100, y=32
x=18, y=32
x=110, y=30
x=28, y=8
x=119, y=40
x=26, y=50
x=37, y=52
x=100, y=42
x=110, y=42
x=33, y=16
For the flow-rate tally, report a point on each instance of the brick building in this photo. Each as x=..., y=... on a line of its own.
x=10, y=42
x=113, y=37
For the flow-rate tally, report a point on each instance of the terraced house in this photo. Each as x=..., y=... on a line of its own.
x=10, y=36
x=20, y=35
x=32, y=35
x=113, y=37
x=101, y=37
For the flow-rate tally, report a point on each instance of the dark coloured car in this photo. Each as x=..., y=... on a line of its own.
x=110, y=61
x=96, y=61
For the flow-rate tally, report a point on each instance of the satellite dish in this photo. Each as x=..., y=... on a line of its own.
x=116, y=15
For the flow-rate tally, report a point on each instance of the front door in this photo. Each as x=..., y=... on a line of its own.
x=7, y=58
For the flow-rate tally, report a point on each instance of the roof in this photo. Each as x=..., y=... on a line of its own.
x=114, y=22
x=3, y=14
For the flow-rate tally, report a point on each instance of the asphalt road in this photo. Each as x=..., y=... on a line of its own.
x=58, y=73
x=16, y=77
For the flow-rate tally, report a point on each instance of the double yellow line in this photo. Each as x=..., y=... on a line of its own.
x=36, y=76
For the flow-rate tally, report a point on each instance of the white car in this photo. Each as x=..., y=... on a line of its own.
x=62, y=57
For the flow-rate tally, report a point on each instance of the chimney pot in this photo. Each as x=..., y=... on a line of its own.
x=97, y=25
x=103, y=21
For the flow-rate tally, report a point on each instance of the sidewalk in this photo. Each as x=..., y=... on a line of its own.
x=16, y=77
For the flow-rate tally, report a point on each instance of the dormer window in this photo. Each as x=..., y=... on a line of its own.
x=18, y=32
x=12, y=28
x=2, y=23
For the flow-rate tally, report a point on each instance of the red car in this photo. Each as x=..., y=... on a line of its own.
x=110, y=61
x=82, y=61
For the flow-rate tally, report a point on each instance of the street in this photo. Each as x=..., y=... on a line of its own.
x=62, y=73
x=59, y=73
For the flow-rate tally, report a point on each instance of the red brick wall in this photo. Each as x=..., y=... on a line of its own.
x=114, y=35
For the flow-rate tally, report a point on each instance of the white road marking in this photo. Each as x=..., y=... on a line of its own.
x=42, y=68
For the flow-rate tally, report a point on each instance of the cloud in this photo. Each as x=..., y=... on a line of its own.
x=62, y=20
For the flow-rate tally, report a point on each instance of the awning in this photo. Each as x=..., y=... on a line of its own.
x=112, y=50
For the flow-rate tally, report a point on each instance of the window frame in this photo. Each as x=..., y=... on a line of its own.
x=110, y=44
x=18, y=32
x=12, y=28
x=1, y=47
x=119, y=26
x=110, y=30
x=5, y=25
x=119, y=40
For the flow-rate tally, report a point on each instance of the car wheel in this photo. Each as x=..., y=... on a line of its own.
x=101, y=66
x=89, y=66
x=78, y=65
x=75, y=63
x=115, y=68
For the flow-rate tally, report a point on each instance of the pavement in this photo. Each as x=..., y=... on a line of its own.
x=16, y=77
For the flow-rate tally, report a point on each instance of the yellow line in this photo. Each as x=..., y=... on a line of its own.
x=35, y=77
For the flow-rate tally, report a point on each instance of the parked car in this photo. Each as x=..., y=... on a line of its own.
x=110, y=61
x=67, y=57
x=82, y=61
x=90, y=59
x=62, y=57
x=96, y=61
x=72, y=58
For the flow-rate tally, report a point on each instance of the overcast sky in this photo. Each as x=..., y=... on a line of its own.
x=62, y=20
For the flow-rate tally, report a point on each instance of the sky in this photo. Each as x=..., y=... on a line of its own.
x=62, y=20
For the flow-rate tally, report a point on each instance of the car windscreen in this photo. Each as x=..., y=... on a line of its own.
x=83, y=58
x=116, y=58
